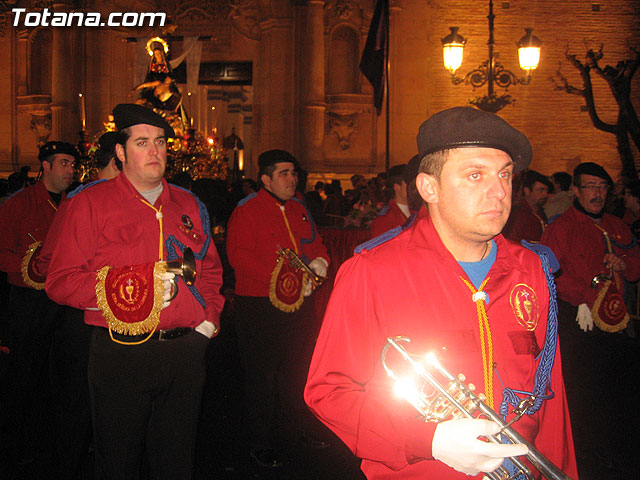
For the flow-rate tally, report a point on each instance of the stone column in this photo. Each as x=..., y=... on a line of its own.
x=22, y=37
x=61, y=84
x=313, y=93
x=275, y=91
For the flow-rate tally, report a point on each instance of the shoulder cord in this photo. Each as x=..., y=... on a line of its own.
x=172, y=243
x=543, y=372
x=486, y=343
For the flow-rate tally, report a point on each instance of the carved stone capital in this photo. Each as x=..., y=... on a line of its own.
x=343, y=126
x=38, y=107
x=245, y=17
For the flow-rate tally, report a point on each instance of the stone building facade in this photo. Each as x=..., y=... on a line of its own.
x=305, y=93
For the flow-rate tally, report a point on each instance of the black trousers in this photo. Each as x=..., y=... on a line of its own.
x=275, y=350
x=31, y=320
x=145, y=399
x=70, y=391
x=600, y=372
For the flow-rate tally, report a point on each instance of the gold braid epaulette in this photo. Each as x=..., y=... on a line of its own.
x=150, y=323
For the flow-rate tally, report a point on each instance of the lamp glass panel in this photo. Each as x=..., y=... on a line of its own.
x=452, y=54
x=529, y=57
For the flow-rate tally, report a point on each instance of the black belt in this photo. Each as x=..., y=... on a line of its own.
x=160, y=335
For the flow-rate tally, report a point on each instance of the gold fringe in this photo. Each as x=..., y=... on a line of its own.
x=147, y=325
x=25, y=267
x=601, y=324
x=275, y=301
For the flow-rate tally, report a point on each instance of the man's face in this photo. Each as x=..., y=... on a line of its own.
x=591, y=193
x=58, y=174
x=536, y=196
x=472, y=199
x=630, y=201
x=400, y=190
x=144, y=157
x=283, y=181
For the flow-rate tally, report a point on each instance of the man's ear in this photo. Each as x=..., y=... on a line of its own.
x=120, y=152
x=427, y=186
x=575, y=190
x=266, y=180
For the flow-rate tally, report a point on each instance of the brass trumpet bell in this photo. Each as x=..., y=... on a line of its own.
x=184, y=267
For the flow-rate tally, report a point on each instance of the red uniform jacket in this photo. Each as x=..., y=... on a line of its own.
x=108, y=224
x=29, y=211
x=394, y=217
x=580, y=248
x=412, y=286
x=524, y=224
x=256, y=229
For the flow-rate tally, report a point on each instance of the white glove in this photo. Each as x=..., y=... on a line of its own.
x=456, y=443
x=319, y=266
x=207, y=328
x=584, y=318
x=167, y=277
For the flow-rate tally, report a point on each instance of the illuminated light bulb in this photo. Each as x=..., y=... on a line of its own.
x=404, y=388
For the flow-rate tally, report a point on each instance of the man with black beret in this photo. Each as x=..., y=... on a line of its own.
x=273, y=318
x=597, y=253
x=452, y=285
x=396, y=211
x=25, y=219
x=115, y=242
x=528, y=220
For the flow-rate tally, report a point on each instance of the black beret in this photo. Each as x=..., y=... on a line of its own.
x=271, y=157
x=590, y=168
x=108, y=141
x=461, y=127
x=51, y=148
x=129, y=114
x=397, y=171
x=411, y=172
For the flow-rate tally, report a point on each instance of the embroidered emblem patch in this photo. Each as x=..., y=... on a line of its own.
x=524, y=304
x=187, y=222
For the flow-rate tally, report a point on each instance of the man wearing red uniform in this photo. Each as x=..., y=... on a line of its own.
x=146, y=359
x=396, y=212
x=24, y=222
x=528, y=221
x=453, y=285
x=273, y=334
x=596, y=252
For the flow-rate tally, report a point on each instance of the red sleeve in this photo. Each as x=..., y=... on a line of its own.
x=571, y=284
x=209, y=285
x=338, y=388
x=555, y=439
x=10, y=257
x=49, y=244
x=71, y=281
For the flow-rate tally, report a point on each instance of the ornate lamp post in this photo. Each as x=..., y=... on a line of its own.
x=491, y=72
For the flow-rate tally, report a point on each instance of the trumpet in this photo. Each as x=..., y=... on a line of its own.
x=296, y=262
x=458, y=400
x=184, y=267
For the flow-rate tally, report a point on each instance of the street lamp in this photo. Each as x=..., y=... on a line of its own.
x=491, y=72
